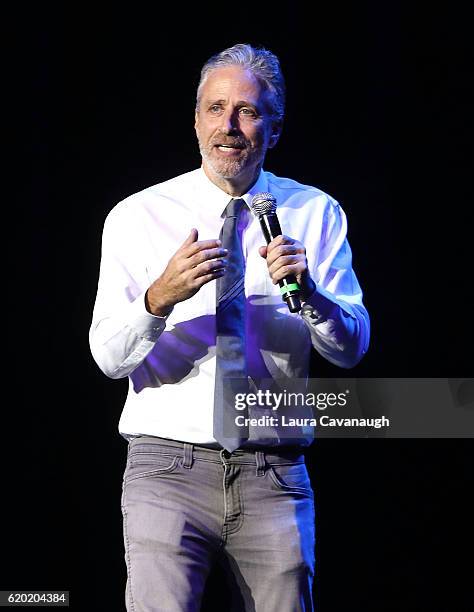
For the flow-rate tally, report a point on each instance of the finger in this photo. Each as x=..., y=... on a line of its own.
x=289, y=260
x=206, y=255
x=205, y=278
x=201, y=245
x=210, y=267
x=285, y=271
x=193, y=236
x=283, y=250
x=281, y=239
x=263, y=251
x=286, y=247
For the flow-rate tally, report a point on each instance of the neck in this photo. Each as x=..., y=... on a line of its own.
x=235, y=186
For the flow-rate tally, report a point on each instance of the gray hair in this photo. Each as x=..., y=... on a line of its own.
x=263, y=64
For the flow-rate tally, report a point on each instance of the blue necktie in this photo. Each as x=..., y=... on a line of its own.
x=231, y=370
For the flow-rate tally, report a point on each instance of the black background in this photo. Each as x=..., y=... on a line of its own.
x=377, y=115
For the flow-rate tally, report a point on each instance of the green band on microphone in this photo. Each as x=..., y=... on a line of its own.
x=290, y=287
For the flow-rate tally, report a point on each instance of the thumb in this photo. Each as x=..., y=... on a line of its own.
x=263, y=251
x=193, y=236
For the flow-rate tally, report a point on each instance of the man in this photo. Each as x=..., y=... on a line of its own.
x=196, y=492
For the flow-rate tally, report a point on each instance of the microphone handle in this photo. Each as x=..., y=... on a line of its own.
x=289, y=287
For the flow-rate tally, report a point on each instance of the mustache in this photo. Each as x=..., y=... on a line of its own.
x=230, y=142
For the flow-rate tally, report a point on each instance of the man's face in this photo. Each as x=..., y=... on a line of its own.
x=234, y=125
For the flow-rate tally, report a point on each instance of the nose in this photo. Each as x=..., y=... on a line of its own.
x=229, y=122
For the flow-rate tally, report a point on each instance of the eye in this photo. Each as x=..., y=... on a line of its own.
x=215, y=109
x=248, y=112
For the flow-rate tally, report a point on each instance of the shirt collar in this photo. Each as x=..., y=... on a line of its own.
x=217, y=199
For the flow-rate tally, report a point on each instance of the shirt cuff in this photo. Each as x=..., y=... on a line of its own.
x=322, y=305
x=145, y=324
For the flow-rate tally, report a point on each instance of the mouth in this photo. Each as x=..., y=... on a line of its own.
x=229, y=149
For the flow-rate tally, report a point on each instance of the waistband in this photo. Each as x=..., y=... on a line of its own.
x=275, y=455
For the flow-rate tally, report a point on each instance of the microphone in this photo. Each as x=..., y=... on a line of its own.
x=264, y=207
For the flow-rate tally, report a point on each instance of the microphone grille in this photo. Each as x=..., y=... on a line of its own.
x=263, y=204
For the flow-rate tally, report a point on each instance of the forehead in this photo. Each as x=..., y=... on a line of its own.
x=233, y=82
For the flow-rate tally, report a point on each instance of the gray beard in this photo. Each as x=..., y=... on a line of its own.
x=225, y=169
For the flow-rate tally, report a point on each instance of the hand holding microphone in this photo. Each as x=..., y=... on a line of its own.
x=286, y=257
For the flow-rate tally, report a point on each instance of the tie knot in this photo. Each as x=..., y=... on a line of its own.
x=234, y=207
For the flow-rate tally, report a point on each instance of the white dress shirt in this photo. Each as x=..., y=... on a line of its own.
x=170, y=361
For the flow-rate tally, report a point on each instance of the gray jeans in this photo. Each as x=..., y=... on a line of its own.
x=187, y=507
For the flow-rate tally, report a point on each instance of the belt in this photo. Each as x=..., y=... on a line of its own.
x=291, y=453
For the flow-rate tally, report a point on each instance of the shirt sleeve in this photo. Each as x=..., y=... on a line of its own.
x=334, y=314
x=122, y=332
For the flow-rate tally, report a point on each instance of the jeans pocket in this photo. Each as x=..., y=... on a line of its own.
x=149, y=464
x=292, y=478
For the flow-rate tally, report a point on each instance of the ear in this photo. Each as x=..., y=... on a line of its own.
x=196, y=119
x=277, y=127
